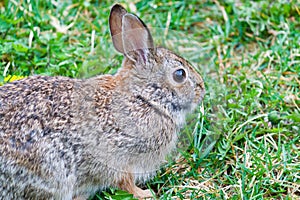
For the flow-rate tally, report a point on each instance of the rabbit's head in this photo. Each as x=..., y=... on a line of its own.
x=154, y=74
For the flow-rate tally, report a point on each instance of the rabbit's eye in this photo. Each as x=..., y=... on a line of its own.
x=179, y=75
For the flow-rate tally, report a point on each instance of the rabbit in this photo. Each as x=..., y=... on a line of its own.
x=65, y=138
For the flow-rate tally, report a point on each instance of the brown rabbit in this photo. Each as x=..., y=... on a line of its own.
x=63, y=138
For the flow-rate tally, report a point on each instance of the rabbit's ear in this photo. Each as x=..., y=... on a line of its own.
x=137, y=40
x=115, y=24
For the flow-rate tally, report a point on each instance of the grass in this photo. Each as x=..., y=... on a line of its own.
x=245, y=140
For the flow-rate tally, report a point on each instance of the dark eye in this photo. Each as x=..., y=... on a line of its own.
x=179, y=75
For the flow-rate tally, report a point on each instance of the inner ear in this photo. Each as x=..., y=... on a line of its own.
x=136, y=37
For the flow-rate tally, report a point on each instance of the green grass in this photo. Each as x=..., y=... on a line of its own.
x=246, y=141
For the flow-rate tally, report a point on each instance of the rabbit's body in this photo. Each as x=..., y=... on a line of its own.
x=63, y=138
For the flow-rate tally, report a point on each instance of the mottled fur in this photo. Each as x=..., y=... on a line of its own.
x=63, y=138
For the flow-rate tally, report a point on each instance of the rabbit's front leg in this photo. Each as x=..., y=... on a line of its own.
x=127, y=184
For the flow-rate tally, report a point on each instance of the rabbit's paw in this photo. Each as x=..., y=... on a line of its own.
x=142, y=194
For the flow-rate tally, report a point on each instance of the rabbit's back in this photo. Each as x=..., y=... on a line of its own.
x=31, y=104
x=35, y=114
x=47, y=127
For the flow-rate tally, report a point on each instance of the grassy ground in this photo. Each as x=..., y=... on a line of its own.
x=246, y=135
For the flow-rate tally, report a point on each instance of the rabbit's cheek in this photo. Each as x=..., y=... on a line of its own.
x=199, y=94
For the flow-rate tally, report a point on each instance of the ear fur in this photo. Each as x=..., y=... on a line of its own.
x=130, y=35
x=115, y=24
